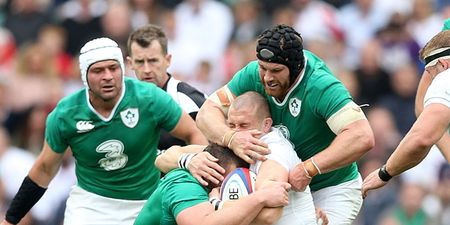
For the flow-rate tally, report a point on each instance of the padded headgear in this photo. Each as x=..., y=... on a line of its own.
x=96, y=50
x=282, y=44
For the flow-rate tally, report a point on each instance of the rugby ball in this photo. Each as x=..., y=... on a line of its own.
x=237, y=184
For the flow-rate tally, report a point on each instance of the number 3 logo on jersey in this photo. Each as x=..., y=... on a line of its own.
x=114, y=158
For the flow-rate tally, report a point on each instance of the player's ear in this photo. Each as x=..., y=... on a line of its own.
x=267, y=124
x=129, y=62
x=168, y=58
x=445, y=63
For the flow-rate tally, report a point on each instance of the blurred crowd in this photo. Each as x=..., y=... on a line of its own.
x=371, y=46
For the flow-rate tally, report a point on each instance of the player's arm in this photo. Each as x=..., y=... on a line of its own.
x=444, y=146
x=242, y=212
x=34, y=185
x=187, y=130
x=444, y=143
x=211, y=120
x=427, y=130
x=202, y=165
x=169, y=160
x=354, y=137
x=269, y=171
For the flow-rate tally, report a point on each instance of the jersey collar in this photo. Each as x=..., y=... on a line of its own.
x=113, y=111
x=302, y=73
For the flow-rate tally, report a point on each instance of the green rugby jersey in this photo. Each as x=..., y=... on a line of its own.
x=303, y=113
x=114, y=156
x=177, y=191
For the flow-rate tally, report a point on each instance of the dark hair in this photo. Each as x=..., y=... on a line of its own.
x=226, y=159
x=282, y=44
x=145, y=35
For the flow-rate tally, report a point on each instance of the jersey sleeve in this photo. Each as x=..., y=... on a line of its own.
x=53, y=133
x=183, y=194
x=284, y=155
x=167, y=111
x=328, y=94
x=281, y=150
x=439, y=91
x=246, y=79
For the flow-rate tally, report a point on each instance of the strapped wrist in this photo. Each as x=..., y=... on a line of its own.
x=216, y=202
x=28, y=195
x=315, y=165
x=306, y=171
x=310, y=168
x=383, y=174
x=227, y=138
x=185, y=160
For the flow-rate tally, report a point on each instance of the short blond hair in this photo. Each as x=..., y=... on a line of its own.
x=440, y=40
x=254, y=100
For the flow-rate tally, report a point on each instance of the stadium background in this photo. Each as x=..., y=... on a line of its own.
x=371, y=45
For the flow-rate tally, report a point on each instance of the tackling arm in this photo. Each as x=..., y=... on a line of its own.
x=268, y=172
x=354, y=137
x=203, y=166
x=211, y=116
x=352, y=142
x=169, y=159
x=242, y=212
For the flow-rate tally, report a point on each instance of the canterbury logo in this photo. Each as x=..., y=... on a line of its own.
x=84, y=126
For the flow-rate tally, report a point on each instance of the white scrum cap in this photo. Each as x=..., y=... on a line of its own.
x=96, y=50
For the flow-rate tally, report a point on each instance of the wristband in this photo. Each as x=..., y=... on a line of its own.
x=185, y=159
x=306, y=171
x=315, y=165
x=231, y=139
x=227, y=137
x=28, y=195
x=217, y=203
x=383, y=174
x=310, y=168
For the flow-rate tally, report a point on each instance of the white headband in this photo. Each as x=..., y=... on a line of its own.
x=96, y=50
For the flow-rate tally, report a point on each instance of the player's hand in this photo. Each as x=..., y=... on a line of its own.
x=204, y=168
x=322, y=218
x=248, y=146
x=275, y=194
x=372, y=181
x=298, y=178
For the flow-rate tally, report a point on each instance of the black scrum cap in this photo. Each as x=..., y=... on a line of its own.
x=282, y=44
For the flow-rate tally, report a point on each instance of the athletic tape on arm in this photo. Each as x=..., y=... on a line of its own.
x=345, y=116
x=222, y=97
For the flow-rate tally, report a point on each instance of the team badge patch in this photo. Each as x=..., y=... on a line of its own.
x=130, y=117
x=284, y=130
x=294, y=106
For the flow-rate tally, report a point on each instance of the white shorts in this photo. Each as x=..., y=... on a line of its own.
x=341, y=203
x=86, y=208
